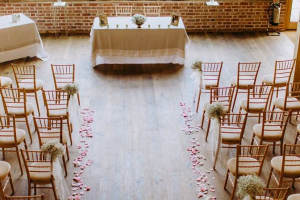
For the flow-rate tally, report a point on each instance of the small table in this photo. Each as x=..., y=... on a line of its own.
x=20, y=39
x=134, y=45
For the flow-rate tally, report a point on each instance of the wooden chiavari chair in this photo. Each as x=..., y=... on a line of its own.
x=232, y=131
x=39, y=169
x=11, y=137
x=286, y=166
x=222, y=95
x=26, y=79
x=123, y=11
x=291, y=99
x=272, y=129
x=152, y=11
x=294, y=197
x=274, y=194
x=63, y=75
x=298, y=134
x=57, y=102
x=257, y=99
x=281, y=76
x=247, y=75
x=249, y=160
x=16, y=105
x=211, y=73
x=5, y=82
x=50, y=129
x=5, y=172
x=37, y=197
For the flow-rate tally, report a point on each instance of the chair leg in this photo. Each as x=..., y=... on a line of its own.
x=202, y=122
x=37, y=103
x=67, y=151
x=199, y=96
x=293, y=185
x=54, y=190
x=34, y=186
x=3, y=153
x=29, y=189
x=227, y=175
x=235, y=96
x=259, y=115
x=69, y=130
x=234, y=188
x=11, y=184
x=217, y=153
x=65, y=166
x=270, y=175
x=1, y=191
x=271, y=98
x=207, y=131
x=78, y=98
x=19, y=159
x=274, y=145
x=28, y=128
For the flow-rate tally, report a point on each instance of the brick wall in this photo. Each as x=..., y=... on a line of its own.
x=237, y=15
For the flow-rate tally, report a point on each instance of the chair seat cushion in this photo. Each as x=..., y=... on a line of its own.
x=53, y=135
x=5, y=81
x=5, y=169
x=291, y=104
x=270, y=133
x=41, y=172
x=243, y=83
x=210, y=81
x=256, y=105
x=253, y=163
x=225, y=107
x=9, y=141
x=57, y=112
x=294, y=197
x=231, y=134
x=289, y=171
x=18, y=109
x=28, y=84
x=279, y=82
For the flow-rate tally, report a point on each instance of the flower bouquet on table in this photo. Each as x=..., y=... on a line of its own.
x=249, y=186
x=139, y=19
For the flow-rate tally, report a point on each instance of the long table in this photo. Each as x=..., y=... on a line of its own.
x=118, y=44
x=20, y=39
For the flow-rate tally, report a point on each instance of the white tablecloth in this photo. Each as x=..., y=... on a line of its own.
x=20, y=39
x=134, y=45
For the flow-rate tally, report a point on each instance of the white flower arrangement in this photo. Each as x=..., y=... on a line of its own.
x=71, y=89
x=197, y=65
x=216, y=110
x=249, y=185
x=138, y=19
x=54, y=148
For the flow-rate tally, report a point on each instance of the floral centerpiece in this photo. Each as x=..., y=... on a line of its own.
x=54, y=148
x=138, y=19
x=249, y=186
x=71, y=89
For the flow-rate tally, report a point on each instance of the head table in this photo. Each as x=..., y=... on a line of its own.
x=118, y=44
x=20, y=39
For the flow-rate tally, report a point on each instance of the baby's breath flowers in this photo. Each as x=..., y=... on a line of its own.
x=215, y=110
x=71, y=89
x=197, y=65
x=250, y=185
x=54, y=148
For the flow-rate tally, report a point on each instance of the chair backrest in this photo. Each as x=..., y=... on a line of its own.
x=13, y=99
x=274, y=194
x=274, y=121
x=211, y=71
x=152, y=11
x=55, y=100
x=248, y=72
x=24, y=74
x=259, y=95
x=49, y=128
x=291, y=156
x=123, y=11
x=37, y=197
x=250, y=157
x=292, y=93
x=222, y=95
x=8, y=128
x=62, y=75
x=233, y=124
x=284, y=69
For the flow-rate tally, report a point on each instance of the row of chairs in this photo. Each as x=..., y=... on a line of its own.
x=149, y=11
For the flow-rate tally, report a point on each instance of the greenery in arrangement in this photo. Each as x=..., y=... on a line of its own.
x=54, y=148
x=139, y=19
x=71, y=89
x=197, y=65
x=250, y=185
x=215, y=110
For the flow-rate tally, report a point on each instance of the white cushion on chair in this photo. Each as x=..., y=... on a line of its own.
x=231, y=165
x=268, y=79
x=242, y=83
x=28, y=84
x=46, y=137
x=58, y=112
x=5, y=169
x=19, y=110
x=276, y=132
x=289, y=171
x=233, y=136
x=10, y=141
x=294, y=197
x=255, y=107
x=40, y=176
x=291, y=104
x=5, y=81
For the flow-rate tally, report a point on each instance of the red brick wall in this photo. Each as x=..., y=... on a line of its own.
x=238, y=15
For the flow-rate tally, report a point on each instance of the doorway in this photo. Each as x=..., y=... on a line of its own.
x=292, y=17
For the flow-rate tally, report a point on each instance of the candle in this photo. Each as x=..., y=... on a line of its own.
x=117, y=26
x=158, y=25
x=148, y=25
x=126, y=25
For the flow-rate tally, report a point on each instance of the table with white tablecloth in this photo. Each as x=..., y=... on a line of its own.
x=118, y=44
x=20, y=39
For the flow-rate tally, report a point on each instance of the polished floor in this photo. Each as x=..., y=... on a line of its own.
x=139, y=149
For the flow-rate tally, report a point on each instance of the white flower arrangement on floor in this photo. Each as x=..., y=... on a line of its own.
x=54, y=148
x=197, y=65
x=71, y=89
x=249, y=185
x=139, y=19
x=216, y=110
